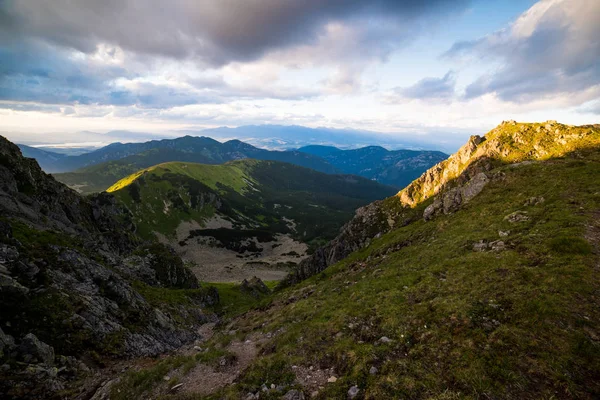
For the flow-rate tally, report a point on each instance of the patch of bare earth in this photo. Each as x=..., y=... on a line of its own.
x=205, y=379
x=218, y=264
x=312, y=379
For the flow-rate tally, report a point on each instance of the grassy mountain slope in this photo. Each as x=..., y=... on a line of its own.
x=397, y=168
x=251, y=193
x=498, y=298
x=96, y=171
x=99, y=177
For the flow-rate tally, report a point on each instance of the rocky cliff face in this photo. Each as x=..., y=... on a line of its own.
x=74, y=281
x=452, y=183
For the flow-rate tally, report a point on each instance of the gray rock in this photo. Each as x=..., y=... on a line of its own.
x=5, y=230
x=7, y=343
x=480, y=246
x=10, y=287
x=293, y=395
x=8, y=253
x=534, y=201
x=353, y=392
x=430, y=211
x=497, y=245
x=373, y=371
x=255, y=287
x=517, y=216
x=32, y=350
x=452, y=199
x=103, y=392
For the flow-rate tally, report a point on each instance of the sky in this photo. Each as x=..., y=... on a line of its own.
x=443, y=68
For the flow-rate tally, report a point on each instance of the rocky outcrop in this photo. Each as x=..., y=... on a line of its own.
x=508, y=143
x=76, y=283
x=451, y=200
x=255, y=287
x=34, y=351
x=435, y=178
x=369, y=222
x=158, y=265
x=28, y=194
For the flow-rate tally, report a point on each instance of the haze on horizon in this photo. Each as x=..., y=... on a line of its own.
x=441, y=69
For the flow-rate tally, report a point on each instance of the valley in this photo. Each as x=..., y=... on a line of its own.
x=244, y=218
x=262, y=279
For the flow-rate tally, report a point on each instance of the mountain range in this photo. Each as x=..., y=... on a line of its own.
x=273, y=137
x=195, y=149
x=97, y=170
x=397, y=168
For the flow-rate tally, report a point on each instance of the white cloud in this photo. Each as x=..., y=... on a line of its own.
x=551, y=51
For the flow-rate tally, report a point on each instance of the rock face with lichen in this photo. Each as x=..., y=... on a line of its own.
x=71, y=270
x=451, y=183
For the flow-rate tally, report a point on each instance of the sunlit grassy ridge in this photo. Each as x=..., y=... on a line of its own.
x=128, y=180
x=251, y=194
x=233, y=174
x=510, y=142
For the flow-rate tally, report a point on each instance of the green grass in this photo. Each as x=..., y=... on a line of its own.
x=158, y=296
x=234, y=301
x=250, y=193
x=464, y=324
x=233, y=174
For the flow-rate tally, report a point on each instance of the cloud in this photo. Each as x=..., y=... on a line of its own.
x=592, y=107
x=41, y=74
x=152, y=54
x=433, y=89
x=553, y=49
x=215, y=32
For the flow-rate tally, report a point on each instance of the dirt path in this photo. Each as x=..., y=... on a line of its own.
x=205, y=379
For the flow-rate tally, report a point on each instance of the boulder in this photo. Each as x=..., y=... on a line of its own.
x=32, y=351
x=255, y=287
x=5, y=230
x=534, y=201
x=353, y=392
x=7, y=343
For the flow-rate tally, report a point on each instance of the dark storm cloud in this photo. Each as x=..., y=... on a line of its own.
x=554, y=48
x=213, y=31
x=430, y=88
x=40, y=73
